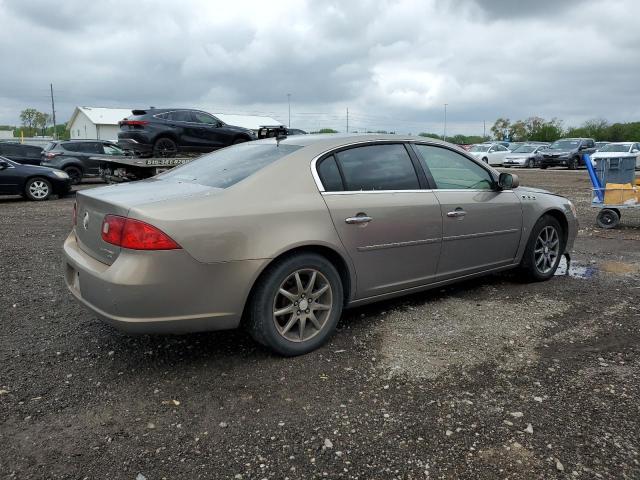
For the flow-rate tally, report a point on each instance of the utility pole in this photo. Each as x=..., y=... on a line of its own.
x=484, y=129
x=53, y=111
x=444, y=137
x=289, y=102
x=347, y=119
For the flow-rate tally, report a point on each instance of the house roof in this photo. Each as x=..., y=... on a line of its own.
x=101, y=115
x=252, y=122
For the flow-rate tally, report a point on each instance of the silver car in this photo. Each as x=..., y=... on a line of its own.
x=280, y=235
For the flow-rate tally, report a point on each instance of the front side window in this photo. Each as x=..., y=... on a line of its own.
x=204, y=118
x=226, y=167
x=450, y=170
x=180, y=116
x=378, y=167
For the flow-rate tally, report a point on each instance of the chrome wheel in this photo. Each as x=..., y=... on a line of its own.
x=302, y=305
x=39, y=189
x=547, y=249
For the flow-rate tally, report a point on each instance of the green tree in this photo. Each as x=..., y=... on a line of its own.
x=430, y=135
x=28, y=118
x=500, y=127
x=518, y=131
x=41, y=122
x=326, y=130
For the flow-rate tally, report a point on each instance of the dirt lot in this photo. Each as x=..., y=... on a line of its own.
x=488, y=379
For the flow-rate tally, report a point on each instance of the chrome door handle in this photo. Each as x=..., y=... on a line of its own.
x=359, y=219
x=456, y=214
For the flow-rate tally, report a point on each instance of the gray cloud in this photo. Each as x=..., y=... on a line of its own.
x=393, y=64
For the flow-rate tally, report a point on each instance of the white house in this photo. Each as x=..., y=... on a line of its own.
x=252, y=122
x=97, y=122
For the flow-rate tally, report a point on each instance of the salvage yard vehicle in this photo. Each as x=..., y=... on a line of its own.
x=526, y=155
x=79, y=158
x=281, y=234
x=567, y=152
x=165, y=132
x=20, y=153
x=32, y=182
x=491, y=153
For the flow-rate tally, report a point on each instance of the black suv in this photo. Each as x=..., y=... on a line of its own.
x=24, y=154
x=79, y=158
x=164, y=132
x=567, y=152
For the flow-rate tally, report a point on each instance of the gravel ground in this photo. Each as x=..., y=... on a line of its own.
x=491, y=378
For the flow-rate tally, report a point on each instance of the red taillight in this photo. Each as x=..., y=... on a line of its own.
x=50, y=155
x=75, y=213
x=134, y=234
x=133, y=123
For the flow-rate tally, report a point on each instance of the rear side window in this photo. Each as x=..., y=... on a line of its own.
x=378, y=167
x=71, y=146
x=330, y=175
x=226, y=167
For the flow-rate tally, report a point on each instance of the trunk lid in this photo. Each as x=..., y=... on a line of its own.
x=93, y=205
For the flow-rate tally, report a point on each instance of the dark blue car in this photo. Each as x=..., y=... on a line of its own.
x=32, y=182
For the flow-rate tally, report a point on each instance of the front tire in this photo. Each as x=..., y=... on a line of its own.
x=38, y=189
x=296, y=304
x=485, y=160
x=544, y=250
x=75, y=174
x=573, y=163
x=530, y=163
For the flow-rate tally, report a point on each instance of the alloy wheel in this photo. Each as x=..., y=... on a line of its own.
x=547, y=249
x=302, y=305
x=39, y=189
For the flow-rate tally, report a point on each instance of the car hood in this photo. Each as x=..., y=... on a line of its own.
x=35, y=169
x=538, y=191
x=236, y=129
x=144, y=192
x=550, y=151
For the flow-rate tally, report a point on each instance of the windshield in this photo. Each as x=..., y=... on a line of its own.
x=525, y=149
x=564, y=145
x=479, y=148
x=226, y=167
x=612, y=147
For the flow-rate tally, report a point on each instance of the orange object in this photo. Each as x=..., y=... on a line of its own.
x=620, y=194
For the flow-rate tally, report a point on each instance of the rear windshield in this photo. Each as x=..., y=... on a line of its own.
x=226, y=167
x=50, y=146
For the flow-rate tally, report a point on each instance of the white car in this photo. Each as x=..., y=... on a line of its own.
x=526, y=155
x=491, y=153
x=617, y=150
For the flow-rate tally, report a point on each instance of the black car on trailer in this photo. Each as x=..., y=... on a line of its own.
x=163, y=132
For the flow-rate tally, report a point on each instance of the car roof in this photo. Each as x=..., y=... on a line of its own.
x=83, y=140
x=334, y=140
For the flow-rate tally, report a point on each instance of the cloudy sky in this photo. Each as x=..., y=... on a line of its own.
x=393, y=64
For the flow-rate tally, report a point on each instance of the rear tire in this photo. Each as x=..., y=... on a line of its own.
x=165, y=147
x=608, y=218
x=544, y=250
x=38, y=189
x=75, y=174
x=296, y=304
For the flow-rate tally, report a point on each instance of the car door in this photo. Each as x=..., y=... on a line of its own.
x=389, y=223
x=210, y=131
x=11, y=178
x=493, y=155
x=91, y=154
x=181, y=121
x=482, y=226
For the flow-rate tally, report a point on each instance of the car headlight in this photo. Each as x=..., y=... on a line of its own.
x=573, y=208
x=60, y=174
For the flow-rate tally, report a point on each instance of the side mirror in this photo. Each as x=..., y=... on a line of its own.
x=635, y=150
x=508, y=181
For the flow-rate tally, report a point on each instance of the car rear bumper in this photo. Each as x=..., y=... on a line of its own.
x=160, y=292
x=135, y=144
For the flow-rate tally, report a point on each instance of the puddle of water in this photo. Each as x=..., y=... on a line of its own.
x=576, y=270
x=619, y=268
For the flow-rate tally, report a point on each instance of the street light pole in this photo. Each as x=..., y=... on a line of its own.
x=444, y=137
x=289, y=102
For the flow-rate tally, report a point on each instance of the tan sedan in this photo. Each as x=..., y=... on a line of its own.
x=282, y=235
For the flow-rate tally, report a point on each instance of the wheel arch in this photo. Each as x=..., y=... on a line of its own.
x=336, y=258
x=562, y=219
